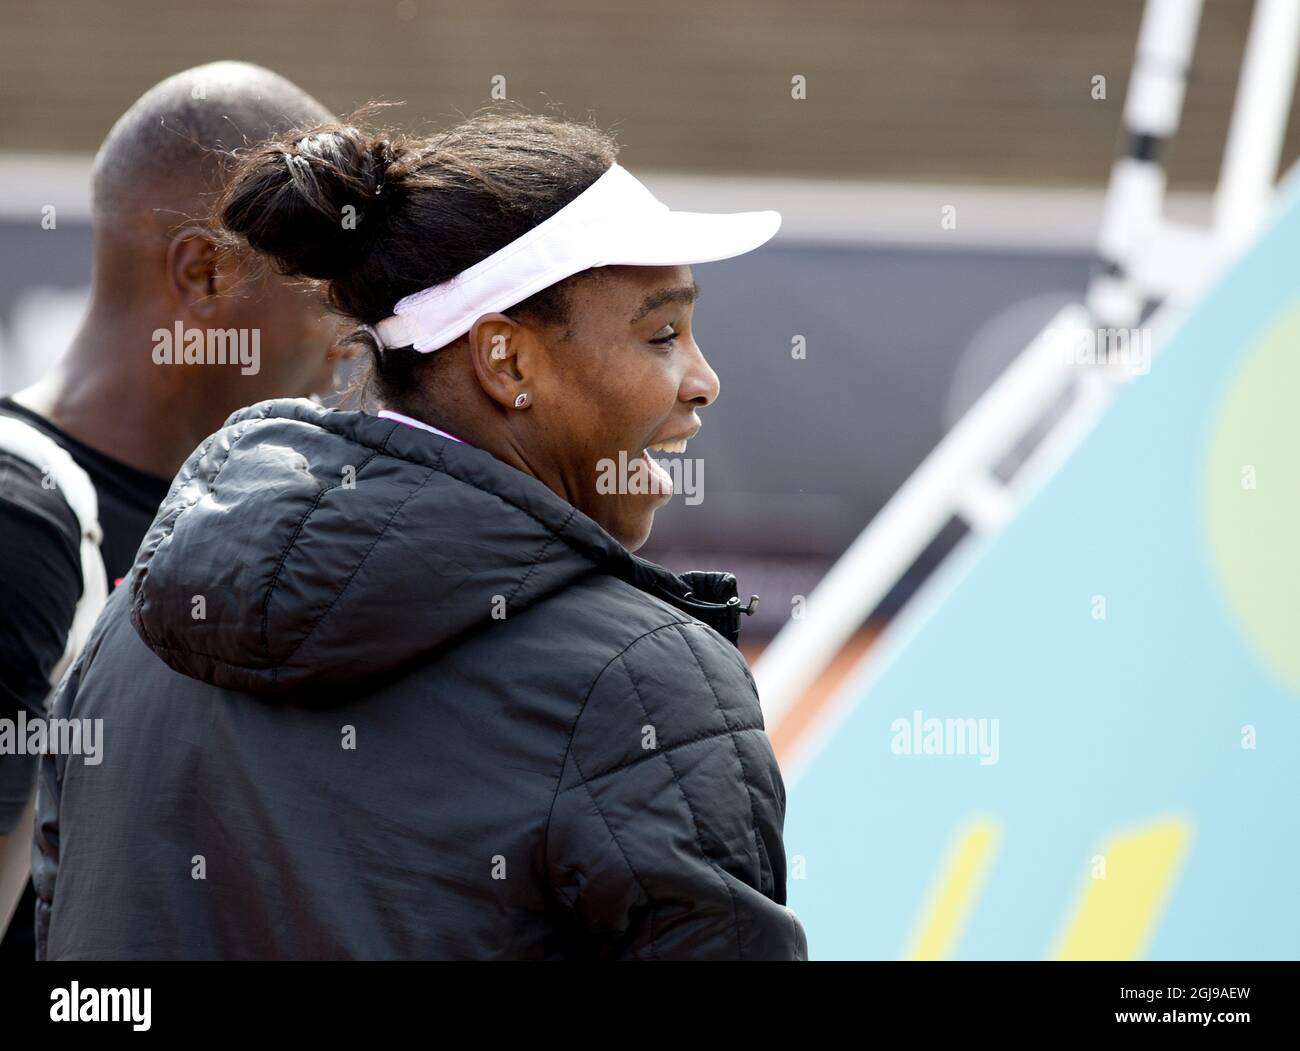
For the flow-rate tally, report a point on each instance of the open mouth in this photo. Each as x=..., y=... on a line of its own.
x=679, y=446
x=661, y=482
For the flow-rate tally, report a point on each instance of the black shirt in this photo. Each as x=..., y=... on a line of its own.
x=128, y=498
x=40, y=583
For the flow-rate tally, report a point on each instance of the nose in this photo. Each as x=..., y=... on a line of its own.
x=701, y=385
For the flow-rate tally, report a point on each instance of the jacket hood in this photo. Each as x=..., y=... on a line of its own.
x=308, y=549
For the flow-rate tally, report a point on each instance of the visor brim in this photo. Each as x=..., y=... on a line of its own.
x=682, y=238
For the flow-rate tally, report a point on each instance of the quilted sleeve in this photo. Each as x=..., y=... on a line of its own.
x=665, y=837
x=49, y=792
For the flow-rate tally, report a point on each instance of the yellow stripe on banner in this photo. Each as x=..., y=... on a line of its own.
x=953, y=896
x=1116, y=916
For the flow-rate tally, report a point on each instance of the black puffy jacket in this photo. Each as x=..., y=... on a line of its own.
x=372, y=693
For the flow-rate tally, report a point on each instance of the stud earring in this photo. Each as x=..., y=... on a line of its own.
x=522, y=400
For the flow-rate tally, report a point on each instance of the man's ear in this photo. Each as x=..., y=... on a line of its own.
x=192, y=271
x=501, y=350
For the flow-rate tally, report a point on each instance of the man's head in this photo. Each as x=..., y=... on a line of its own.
x=156, y=261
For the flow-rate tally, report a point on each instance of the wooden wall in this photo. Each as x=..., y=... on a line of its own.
x=948, y=90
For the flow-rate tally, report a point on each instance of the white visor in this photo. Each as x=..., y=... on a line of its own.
x=616, y=221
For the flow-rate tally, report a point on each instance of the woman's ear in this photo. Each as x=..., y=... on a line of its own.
x=192, y=272
x=501, y=351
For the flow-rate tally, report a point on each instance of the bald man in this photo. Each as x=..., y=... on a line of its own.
x=176, y=337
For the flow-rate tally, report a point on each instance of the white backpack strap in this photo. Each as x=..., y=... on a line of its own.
x=60, y=471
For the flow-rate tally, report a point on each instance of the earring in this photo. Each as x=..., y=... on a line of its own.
x=522, y=400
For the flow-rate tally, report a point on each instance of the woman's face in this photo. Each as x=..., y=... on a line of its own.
x=624, y=381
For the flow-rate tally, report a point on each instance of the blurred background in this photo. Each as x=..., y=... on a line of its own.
x=911, y=105
x=866, y=123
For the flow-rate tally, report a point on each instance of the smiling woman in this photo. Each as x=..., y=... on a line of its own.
x=553, y=286
x=435, y=706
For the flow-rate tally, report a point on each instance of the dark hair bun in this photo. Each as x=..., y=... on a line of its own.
x=314, y=203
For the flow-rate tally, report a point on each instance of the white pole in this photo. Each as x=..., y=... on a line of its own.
x=1259, y=118
x=1136, y=192
x=1166, y=40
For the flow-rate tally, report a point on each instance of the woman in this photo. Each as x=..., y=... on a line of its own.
x=397, y=685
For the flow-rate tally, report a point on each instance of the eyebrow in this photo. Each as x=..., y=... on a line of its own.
x=655, y=300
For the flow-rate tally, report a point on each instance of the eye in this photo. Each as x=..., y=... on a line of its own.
x=665, y=336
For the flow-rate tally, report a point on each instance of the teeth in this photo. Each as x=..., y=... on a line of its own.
x=670, y=447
